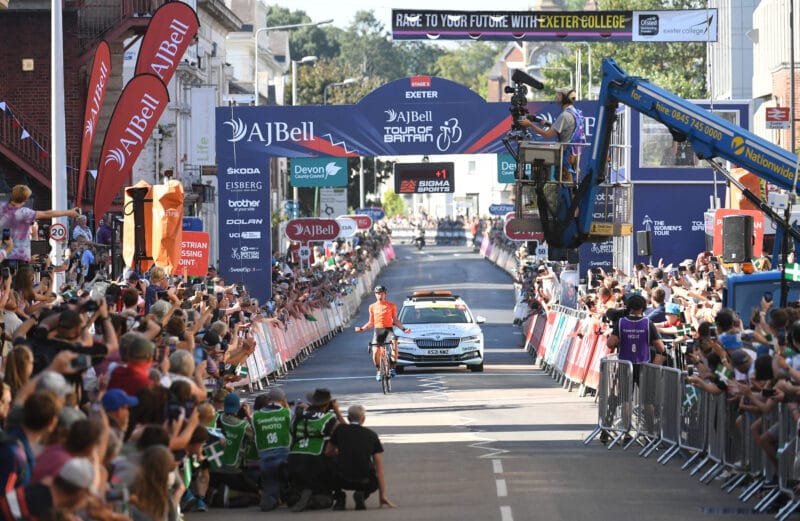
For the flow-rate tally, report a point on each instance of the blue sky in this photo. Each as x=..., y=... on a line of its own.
x=342, y=11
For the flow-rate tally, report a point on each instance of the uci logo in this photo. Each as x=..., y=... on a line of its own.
x=737, y=144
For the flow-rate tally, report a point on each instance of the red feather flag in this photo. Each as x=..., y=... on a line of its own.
x=169, y=34
x=98, y=81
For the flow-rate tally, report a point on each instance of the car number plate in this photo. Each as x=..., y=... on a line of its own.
x=439, y=352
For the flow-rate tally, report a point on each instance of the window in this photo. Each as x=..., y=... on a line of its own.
x=659, y=150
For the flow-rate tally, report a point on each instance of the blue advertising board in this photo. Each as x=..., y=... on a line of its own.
x=376, y=214
x=244, y=216
x=192, y=224
x=500, y=209
x=678, y=231
x=318, y=171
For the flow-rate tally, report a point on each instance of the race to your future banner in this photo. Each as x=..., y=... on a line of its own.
x=686, y=25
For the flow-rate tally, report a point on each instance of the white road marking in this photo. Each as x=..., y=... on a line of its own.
x=502, y=490
x=505, y=514
x=497, y=465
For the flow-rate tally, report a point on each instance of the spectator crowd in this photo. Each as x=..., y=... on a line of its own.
x=119, y=396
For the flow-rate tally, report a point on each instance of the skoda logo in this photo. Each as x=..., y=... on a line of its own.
x=437, y=337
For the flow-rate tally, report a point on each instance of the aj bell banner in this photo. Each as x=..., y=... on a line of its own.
x=245, y=249
x=411, y=116
x=698, y=25
x=98, y=81
x=138, y=109
x=169, y=33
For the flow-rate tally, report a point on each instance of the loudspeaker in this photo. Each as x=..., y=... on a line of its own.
x=644, y=243
x=737, y=238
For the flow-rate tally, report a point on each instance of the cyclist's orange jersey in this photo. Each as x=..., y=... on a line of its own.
x=382, y=314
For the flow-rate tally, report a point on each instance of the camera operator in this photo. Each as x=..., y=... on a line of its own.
x=567, y=128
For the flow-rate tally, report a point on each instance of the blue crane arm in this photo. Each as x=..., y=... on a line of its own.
x=710, y=135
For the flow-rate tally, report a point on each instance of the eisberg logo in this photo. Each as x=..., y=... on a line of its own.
x=238, y=129
x=648, y=25
x=244, y=203
x=242, y=171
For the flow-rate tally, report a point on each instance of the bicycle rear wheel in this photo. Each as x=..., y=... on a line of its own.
x=386, y=383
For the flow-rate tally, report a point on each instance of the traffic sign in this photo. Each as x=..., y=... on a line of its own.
x=58, y=232
x=777, y=117
x=304, y=252
x=312, y=229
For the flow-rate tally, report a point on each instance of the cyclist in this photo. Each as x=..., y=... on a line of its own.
x=382, y=316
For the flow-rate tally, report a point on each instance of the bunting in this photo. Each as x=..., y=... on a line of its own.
x=24, y=133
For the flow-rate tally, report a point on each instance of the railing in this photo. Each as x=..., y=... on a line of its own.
x=95, y=17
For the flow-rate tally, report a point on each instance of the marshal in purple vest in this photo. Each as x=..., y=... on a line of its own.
x=634, y=340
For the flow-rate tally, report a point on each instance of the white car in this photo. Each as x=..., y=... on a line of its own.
x=444, y=332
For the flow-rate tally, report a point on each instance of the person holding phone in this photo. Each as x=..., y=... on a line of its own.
x=18, y=219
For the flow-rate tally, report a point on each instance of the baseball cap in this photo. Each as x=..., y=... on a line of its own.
x=738, y=358
x=232, y=403
x=321, y=397
x=78, y=472
x=567, y=92
x=730, y=341
x=54, y=382
x=380, y=289
x=672, y=309
x=133, y=277
x=115, y=399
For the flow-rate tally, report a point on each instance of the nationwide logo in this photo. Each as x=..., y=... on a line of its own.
x=648, y=25
x=267, y=132
x=420, y=82
x=243, y=222
x=409, y=186
x=244, y=203
x=242, y=171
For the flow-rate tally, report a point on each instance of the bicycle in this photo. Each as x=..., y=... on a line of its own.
x=385, y=367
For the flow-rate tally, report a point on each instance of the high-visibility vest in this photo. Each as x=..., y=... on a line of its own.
x=307, y=435
x=272, y=428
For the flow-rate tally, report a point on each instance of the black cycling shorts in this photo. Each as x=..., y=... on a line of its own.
x=382, y=335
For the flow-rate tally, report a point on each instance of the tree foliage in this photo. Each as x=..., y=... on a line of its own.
x=393, y=204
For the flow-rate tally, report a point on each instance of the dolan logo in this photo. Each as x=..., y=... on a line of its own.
x=238, y=129
x=737, y=144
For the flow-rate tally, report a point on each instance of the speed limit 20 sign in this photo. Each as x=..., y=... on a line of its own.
x=58, y=232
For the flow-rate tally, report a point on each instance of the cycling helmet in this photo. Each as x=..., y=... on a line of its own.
x=380, y=289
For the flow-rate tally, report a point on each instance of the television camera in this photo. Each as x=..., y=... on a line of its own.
x=519, y=100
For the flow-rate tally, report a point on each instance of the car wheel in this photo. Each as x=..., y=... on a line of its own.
x=400, y=369
x=476, y=368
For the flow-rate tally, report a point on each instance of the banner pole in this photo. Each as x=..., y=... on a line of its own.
x=58, y=135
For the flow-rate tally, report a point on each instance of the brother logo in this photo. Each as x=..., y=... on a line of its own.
x=648, y=25
x=244, y=203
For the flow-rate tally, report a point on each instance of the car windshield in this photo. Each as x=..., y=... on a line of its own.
x=435, y=314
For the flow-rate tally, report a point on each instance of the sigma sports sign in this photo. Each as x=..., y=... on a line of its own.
x=245, y=248
x=420, y=115
x=424, y=178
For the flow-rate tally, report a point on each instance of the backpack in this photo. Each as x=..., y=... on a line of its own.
x=578, y=137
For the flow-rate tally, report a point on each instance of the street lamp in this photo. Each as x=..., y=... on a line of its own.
x=275, y=28
x=302, y=61
x=347, y=81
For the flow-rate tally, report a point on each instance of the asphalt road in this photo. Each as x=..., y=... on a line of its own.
x=505, y=444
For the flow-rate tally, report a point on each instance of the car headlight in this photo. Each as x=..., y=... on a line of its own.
x=405, y=340
x=473, y=338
